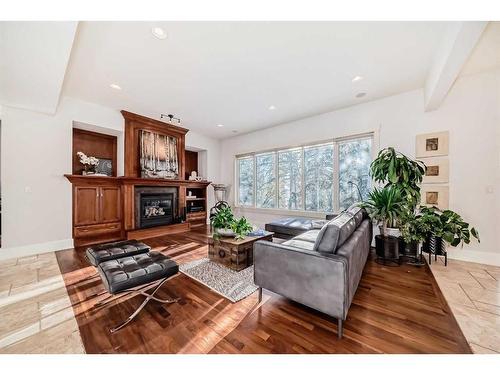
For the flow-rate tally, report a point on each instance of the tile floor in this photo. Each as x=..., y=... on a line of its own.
x=473, y=292
x=35, y=310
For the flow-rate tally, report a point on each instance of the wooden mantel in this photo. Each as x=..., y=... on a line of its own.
x=77, y=178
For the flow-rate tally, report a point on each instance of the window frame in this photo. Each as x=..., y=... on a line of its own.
x=372, y=135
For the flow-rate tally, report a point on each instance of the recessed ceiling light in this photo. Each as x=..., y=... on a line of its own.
x=115, y=86
x=159, y=32
x=357, y=78
x=272, y=107
x=220, y=125
x=360, y=95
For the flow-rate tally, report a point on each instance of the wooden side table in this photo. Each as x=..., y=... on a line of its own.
x=233, y=253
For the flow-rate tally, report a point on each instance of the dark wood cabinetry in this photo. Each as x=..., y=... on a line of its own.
x=97, y=210
x=110, y=204
x=85, y=205
x=196, y=203
x=105, y=208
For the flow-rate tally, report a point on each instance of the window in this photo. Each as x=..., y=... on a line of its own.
x=325, y=177
x=354, y=171
x=246, y=181
x=318, y=178
x=290, y=179
x=266, y=180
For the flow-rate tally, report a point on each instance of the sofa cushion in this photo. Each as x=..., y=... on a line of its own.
x=335, y=233
x=357, y=212
x=114, y=250
x=292, y=226
x=304, y=245
x=129, y=272
x=318, y=224
x=309, y=236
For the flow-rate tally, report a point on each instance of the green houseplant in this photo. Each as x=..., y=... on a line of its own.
x=241, y=228
x=222, y=221
x=225, y=224
x=445, y=226
x=394, y=168
x=413, y=231
x=385, y=206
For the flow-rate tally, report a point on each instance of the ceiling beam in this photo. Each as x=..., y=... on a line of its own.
x=454, y=51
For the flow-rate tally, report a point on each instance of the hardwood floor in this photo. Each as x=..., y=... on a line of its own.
x=395, y=310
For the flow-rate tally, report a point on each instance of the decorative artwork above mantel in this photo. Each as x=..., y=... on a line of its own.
x=159, y=158
x=153, y=148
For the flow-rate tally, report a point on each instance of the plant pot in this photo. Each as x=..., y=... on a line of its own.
x=411, y=249
x=225, y=232
x=434, y=245
x=392, y=232
x=388, y=249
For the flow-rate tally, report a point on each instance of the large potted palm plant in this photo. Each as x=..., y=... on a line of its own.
x=393, y=168
x=385, y=206
x=401, y=177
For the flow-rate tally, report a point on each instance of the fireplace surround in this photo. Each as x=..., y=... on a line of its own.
x=155, y=206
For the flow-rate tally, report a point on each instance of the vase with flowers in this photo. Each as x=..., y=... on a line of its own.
x=89, y=163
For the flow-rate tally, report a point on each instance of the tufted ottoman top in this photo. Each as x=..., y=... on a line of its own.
x=129, y=272
x=114, y=250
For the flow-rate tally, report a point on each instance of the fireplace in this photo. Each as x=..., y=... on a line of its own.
x=155, y=206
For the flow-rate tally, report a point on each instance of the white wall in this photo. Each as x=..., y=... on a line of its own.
x=471, y=113
x=36, y=153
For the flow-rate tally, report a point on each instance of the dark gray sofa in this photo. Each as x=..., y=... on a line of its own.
x=320, y=268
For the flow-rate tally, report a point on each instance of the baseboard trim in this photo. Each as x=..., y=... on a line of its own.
x=39, y=248
x=484, y=257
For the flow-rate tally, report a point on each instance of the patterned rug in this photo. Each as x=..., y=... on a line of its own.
x=228, y=283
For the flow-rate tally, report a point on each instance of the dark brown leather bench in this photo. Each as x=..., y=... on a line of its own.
x=127, y=267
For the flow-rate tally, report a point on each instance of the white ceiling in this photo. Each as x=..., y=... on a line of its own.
x=33, y=60
x=229, y=73
x=486, y=54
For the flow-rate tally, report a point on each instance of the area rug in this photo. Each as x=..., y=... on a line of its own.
x=228, y=283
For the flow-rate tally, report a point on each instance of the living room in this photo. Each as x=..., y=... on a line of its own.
x=250, y=187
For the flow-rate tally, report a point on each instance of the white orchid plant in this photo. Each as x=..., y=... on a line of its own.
x=89, y=162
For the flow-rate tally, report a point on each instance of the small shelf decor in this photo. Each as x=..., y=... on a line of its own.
x=89, y=162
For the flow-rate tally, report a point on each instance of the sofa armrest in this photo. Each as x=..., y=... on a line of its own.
x=317, y=280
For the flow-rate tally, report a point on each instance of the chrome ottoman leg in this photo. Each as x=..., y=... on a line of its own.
x=144, y=303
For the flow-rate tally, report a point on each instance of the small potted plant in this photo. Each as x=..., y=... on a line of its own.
x=225, y=224
x=222, y=221
x=444, y=227
x=89, y=163
x=241, y=228
x=385, y=206
x=413, y=231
